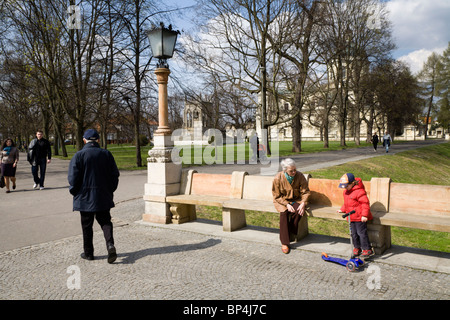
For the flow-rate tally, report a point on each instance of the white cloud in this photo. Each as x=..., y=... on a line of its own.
x=419, y=28
x=420, y=23
x=417, y=58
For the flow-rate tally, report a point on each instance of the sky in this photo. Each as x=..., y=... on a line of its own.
x=420, y=27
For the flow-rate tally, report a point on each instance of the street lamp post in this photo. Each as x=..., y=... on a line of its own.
x=162, y=41
x=164, y=176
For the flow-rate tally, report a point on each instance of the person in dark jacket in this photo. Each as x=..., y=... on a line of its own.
x=39, y=155
x=375, y=142
x=93, y=178
x=355, y=198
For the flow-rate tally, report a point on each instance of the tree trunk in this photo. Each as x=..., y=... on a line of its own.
x=296, y=134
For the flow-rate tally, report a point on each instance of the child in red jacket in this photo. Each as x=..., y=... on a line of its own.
x=355, y=198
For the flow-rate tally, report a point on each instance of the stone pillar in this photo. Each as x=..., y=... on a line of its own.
x=233, y=219
x=162, y=77
x=379, y=235
x=163, y=176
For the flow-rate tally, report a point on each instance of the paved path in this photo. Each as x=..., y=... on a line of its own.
x=31, y=216
x=40, y=244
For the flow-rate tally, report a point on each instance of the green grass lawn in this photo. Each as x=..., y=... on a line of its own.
x=124, y=154
x=428, y=165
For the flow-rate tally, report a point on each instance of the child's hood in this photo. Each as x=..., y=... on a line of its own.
x=359, y=186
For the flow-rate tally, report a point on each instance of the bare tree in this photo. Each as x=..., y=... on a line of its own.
x=138, y=17
x=428, y=77
x=322, y=105
x=36, y=35
x=443, y=89
x=109, y=66
x=295, y=41
x=348, y=47
x=17, y=106
x=235, y=48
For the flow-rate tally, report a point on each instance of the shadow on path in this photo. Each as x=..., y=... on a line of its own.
x=132, y=257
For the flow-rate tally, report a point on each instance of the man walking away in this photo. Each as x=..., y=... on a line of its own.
x=93, y=177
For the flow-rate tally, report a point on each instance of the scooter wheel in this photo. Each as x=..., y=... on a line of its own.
x=350, y=266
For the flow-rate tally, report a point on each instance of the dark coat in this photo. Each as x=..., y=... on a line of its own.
x=93, y=178
x=375, y=139
x=39, y=149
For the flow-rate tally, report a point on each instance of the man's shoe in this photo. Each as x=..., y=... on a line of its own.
x=35, y=186
x=112, y=255
x=87, y=256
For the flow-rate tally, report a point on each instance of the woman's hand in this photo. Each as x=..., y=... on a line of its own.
x=301, y=209
x=297, y=208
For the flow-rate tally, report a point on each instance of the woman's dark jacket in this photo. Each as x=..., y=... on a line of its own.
x=93, y=178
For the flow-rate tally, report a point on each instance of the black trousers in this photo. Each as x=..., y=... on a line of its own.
x=288, y=225
x=41, y=166
x=87, y=221
x=360, y=237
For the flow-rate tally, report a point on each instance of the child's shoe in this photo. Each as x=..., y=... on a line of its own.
x=367, y=253
x=356, y=252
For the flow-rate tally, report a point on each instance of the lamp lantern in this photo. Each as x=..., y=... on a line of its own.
x=162, y=41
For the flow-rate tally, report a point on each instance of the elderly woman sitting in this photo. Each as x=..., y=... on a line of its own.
x=290, y=195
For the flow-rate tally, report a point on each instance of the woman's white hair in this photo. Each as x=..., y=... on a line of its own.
x=288, y=162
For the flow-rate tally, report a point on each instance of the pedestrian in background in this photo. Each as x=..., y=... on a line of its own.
x=93, y=177
x=254, y=144
x=290, y=195
x=39, y=155
x=387, y=141
x=9, y=157
x=375, y=142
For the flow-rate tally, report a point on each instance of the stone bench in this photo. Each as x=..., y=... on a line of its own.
x=208, y=190
x=424, y=207
x=392, y=204
x=233, y=193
